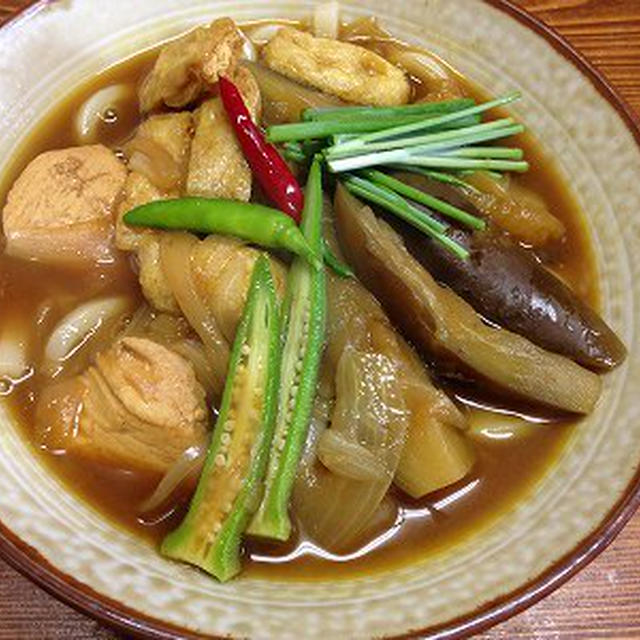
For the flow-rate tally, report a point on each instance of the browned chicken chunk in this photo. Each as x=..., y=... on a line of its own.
x=139, y=407
x=186, y=64
x=342, y=69
x=61, y=207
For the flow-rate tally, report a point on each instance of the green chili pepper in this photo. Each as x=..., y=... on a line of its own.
x=304, y=327
x=229, y=489
x=255, y=223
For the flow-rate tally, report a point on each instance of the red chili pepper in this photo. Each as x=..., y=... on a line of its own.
x=270, y=169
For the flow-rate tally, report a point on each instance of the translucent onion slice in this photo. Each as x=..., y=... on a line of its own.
x=368, y=413
x=78, y=326
x=348, y=459
x=95, y=109
x=154, y=162
x=326, y=20
x=249, y=51
x=187, y=466
x=13, y=352
x=175, y=251
x=262, y=33
x=487, y=425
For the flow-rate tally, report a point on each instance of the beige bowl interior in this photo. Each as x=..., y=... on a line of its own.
x=50, y=50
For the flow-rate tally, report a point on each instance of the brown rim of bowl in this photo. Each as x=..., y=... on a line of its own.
x=34, y=566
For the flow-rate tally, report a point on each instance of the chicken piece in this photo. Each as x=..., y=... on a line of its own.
x=221, y=271
x=217, y=167
x=60, y=209
x=185, y=65
x=346, y=70
x=139, y=407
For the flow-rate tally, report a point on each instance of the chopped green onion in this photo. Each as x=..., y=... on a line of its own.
x=338, y=267
x=357, y=113
x=440, y=176
x=414, y=157
x=325, y=128
x=430, y=123
x=293, y=151
x=391, y=201
x=424, y=198
x=435, y=141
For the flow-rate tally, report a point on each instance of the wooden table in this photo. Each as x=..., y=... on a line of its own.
x=601, y=601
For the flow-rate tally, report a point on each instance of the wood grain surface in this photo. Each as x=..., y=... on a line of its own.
x=602, y=601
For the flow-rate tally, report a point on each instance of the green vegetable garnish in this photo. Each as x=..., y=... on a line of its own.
x=424, y=198
x=336, y=265
x=424, y=109
x=255, y=223
x=229, y=488
x=304, y=327
x=396, y=204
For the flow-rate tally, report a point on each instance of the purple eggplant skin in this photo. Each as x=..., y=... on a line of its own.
x=508, y=285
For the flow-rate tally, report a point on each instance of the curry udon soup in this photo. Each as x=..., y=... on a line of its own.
x=343, y=395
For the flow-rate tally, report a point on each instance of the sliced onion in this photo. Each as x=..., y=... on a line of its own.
x=154, y=162
x=188, y=465
x=326, y=20
x=93, y=110
x=13, y=352
x=349, y=459
x=73, y=331
x=438, y=78
x=249, y=51
x=487, y=425
x=175, y=251
x=368, y=413
x=262, y=33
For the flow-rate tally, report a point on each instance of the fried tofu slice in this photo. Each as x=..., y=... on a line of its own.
x=186, y=65
x=165, y=140
x=60, y=209
x=139, y=407
x=217, y=167
x=342, y=69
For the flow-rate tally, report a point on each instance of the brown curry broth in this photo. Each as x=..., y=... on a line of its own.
x=504, y=473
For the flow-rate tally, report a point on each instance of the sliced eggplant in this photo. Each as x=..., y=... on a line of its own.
x=508, y=285
x=446, y=328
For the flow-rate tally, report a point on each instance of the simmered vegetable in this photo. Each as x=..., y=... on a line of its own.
x=284, y=100
x=512, y=208
x=229, y=488
x=507, y=284
x=446, y=328
x=304, y=327
x=253, y=222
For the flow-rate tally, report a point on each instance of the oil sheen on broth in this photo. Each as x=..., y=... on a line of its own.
x=506, y=469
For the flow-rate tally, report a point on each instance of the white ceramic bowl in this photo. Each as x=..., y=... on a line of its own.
x=574, y=510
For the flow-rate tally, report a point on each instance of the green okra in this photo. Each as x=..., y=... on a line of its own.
x=304, y=321
x=230, y=485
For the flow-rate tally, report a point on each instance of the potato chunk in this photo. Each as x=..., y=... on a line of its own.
x=139, y=407
x=186, y=64
x=61, y=207
x=345, y=70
